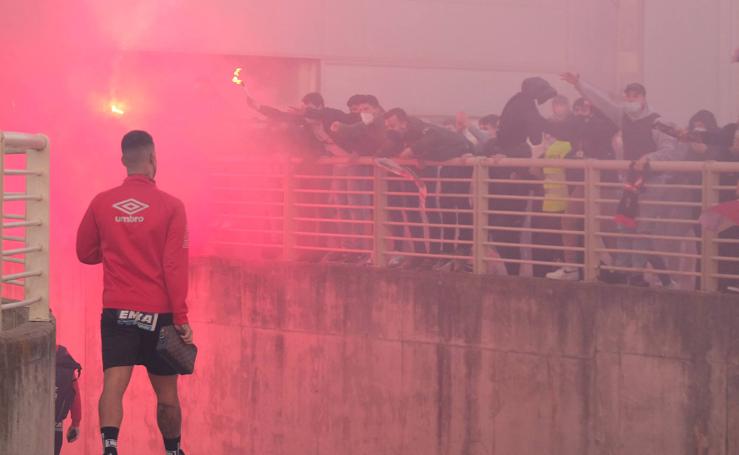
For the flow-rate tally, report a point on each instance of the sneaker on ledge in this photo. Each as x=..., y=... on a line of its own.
x=443, y=265
x=564, y=274
x=638, y=281
x=671, y=285
x=395, y=262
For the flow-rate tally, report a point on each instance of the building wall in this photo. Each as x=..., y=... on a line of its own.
x=433, y=57
x=687, y=53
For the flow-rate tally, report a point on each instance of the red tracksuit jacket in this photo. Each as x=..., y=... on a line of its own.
x=139, y=233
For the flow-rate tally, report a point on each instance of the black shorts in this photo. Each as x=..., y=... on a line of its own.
x=130, y=338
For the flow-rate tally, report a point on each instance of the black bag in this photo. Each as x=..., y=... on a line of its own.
x=178, y=354
x=67, y=371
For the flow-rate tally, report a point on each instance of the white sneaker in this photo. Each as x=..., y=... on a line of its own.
x=395, y=261
x=565, y=274
x=671, y=285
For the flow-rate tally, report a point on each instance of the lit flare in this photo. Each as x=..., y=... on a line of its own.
x=237, y=77
x=116, y=109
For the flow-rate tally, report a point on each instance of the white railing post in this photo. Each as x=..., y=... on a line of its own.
x=709, y=266
x=480, y=204
x=38, y=184
x=590, y=223
x=379, y=216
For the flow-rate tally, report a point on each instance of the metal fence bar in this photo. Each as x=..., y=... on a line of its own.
x=288, y=214
x=318, y=214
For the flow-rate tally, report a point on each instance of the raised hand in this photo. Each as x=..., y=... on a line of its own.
x=570, y=78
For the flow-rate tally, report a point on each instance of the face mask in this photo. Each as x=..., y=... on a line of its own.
x=367, y=117
x=633, y=107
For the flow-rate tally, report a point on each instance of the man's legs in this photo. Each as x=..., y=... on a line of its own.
x=169, y=415
x=110, y=406
x=58, y=437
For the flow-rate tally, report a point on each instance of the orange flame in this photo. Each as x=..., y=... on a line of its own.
x=236, y=79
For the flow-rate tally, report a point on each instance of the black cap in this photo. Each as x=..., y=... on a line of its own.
x=637, y=88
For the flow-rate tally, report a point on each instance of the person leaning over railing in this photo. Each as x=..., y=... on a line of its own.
x=642, y=143
x=364, y=138
x=427, y=142
x=520, y=124
x=554, y=194
x=310, y=121
x=727, y=139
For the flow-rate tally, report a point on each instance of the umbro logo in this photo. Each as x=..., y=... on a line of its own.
x=130, y=206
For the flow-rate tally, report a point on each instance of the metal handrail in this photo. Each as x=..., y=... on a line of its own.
x=308, y=213
x=28, y=260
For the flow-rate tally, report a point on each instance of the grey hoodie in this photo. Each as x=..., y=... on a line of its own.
x=668, y=148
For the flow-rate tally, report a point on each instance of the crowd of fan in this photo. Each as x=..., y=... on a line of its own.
x=436, y=232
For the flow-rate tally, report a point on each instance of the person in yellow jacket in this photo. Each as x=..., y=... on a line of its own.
x=553, y=202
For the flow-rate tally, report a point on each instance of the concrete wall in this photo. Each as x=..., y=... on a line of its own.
x=433, y=57
x=687, y=49
x=299, y=359
x=27, y=353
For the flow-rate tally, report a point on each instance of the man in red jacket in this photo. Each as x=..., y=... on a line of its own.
x=139, y=233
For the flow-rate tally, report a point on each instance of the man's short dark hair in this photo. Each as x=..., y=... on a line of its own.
x=397, y=112
x=314, y=98
x=136, y=147
x=136, y=139
x=491, y=119
x=356, y=100
x=372, y=100
x=636, y=88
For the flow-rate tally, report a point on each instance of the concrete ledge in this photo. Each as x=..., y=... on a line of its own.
x=360, y=360
x=27, y=354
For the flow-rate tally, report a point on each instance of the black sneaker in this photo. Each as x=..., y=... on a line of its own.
x=638, y=281
x=611, y=277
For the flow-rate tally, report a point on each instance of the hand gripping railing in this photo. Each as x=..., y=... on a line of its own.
x=24, y=198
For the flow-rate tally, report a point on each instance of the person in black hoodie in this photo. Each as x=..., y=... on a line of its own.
x=520, y=124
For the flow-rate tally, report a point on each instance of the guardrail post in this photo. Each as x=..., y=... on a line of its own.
x=379, y=200
x=38, y=160
x=590, y=226
x=480, y=204
x=288, y=213
x=2, y=220
x=709, y=267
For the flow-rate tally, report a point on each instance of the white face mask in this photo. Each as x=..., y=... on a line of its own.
x=367, y=117
x=633, y=107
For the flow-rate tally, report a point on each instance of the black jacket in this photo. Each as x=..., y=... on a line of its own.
x=434, y=143
x=521, y=121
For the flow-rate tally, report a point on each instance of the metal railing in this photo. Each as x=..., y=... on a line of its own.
x=24, y=197
x=510, y=216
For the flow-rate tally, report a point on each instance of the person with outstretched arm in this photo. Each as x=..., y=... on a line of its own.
x=139, y=234
x=642, y=142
